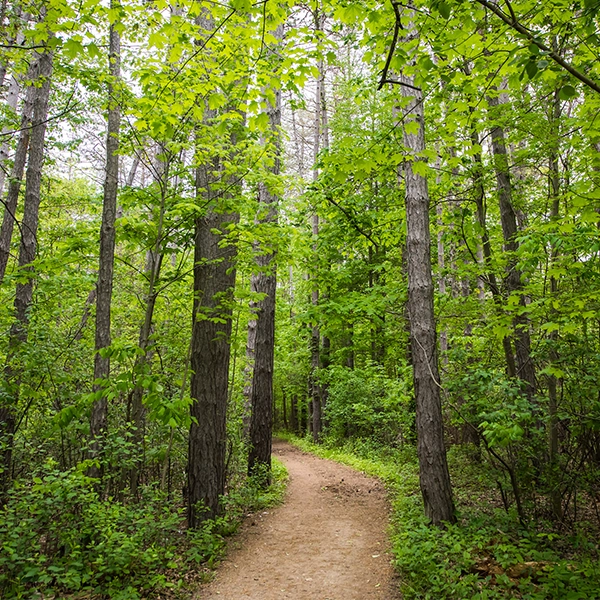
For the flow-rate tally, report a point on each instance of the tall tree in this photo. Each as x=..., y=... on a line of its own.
x=214, y=280
x=524, y=365
x=16, y=173
x=265, y=283
x=320, y=128
x=217, y=191
x=434, y=476
x=99, y=415
x=27, y=255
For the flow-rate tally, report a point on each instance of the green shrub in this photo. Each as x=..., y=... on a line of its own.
x=58, y=536
x=364, y=403
x=471, y=560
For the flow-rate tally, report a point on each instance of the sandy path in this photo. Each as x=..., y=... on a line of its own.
x=326, y=542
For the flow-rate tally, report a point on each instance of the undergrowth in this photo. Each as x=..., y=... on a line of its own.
x=487, y=554
x=59, y=539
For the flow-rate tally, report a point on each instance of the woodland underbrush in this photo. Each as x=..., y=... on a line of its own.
x=60, y=539
x=488, y=553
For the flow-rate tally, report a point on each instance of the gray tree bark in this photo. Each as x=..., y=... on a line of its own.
x=16, y=174
x=553, y=381
x=214, y=281
x=99, y=415
x=265, y=282
x=12, y=99
x=434, y=476
x=315, y=341
x=525, y=369
x=154, y=260
x=27, y=254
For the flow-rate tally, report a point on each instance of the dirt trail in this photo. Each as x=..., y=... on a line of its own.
x=326, y=542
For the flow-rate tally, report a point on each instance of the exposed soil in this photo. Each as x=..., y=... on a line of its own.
x=326, y=542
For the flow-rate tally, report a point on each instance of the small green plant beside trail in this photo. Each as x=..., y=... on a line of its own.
x=59, y=539
x=487, y=554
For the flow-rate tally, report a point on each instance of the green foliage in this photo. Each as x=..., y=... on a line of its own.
x=487, y=554
x=365, y=404
x=58, y=536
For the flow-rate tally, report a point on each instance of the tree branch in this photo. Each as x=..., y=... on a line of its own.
x=397, y=26
x=351, y=219
x=511, y=21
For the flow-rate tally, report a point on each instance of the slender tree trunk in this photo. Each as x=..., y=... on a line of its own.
x=441, y=260
x=27, y=254
x=16, y=175
x=138, y=410
x=265, y=282
x=154, y=260
x=315, y=343
x=249, y=368
x=433, y=468
x=524, y=365
x=12, y=98
x=554, y=189
x=486, y=247
x=294, y=421
x=99, y=415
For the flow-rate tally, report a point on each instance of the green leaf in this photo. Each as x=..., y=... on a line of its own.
x=420, y=167
x=93, y=50
x=444, y=10
x=531, y=68
x=216, y=101
x=567, y=92
x=72, y=48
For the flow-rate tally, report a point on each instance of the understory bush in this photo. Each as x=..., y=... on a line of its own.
x=59, y=537
x=363, y=403
x=488, y=554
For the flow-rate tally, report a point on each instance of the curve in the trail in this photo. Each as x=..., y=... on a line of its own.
x=326, y=542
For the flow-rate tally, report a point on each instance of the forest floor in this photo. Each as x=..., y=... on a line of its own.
x=326, y=542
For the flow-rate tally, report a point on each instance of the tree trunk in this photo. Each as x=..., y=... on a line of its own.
x=315, y=343
x=294, y=420
x=486, y=248
x=265, y=282
x=524, y=365
x=154, y=260
x=554, y=185
x=214, y=280
x=99, y=416
x=433, y=468
x=214, y=283
x=138, y=410
x=12, y=98
x=16, y=175
x=249, y=368
x=27, y=254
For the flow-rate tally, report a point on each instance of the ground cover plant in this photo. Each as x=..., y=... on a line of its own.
x=487, y=553
x=60, y=539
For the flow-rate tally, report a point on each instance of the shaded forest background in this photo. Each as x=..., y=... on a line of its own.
x=351, y=221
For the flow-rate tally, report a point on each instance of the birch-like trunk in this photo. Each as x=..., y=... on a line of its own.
x=27, y=255
x=17, y=171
